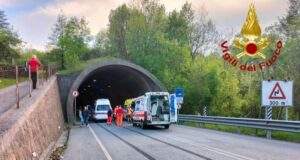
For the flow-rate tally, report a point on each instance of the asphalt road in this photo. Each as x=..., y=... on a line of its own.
x=99, y=141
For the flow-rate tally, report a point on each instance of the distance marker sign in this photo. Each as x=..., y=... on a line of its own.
x=277, y=93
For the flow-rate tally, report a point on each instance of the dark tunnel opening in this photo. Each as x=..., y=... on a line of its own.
x=116, y=83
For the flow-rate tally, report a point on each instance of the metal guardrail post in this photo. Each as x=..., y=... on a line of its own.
x=49, y=75
x=17, y=86
x=269, y=117
x=29, y=76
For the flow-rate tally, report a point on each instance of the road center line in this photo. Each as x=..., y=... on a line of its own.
x=108, y=157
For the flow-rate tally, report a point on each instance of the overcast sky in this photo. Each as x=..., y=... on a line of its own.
x=34, y=19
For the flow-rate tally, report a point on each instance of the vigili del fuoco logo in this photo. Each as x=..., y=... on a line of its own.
x=250, y=45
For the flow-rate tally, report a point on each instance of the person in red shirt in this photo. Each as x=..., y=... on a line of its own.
x=34, y=65
x=119, y=116
x=121, y=112
x=115, y=115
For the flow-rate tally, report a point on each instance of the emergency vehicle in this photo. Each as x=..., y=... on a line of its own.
x=153, y=108
x=101, y=108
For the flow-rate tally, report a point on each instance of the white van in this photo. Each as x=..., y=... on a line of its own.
x=101, y=108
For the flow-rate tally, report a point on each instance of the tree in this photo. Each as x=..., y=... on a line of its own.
x=287, y=67
x=73, y=42
x=58, y=30
x=3, y=21
x=178, y=28
x=204, y=35
x=9, y=41
x=290, y=24
x=102, y=40
x=117, y=30
x=70, y=38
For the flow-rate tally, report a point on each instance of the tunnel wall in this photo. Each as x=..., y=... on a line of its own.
x=34, y=127
x=64, y=83
x=72, y=82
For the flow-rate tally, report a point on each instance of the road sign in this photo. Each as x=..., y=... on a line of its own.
x=179, y=92
x=75, y=93
x=277, y=93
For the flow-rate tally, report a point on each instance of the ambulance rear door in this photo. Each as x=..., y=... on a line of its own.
x=173, y=108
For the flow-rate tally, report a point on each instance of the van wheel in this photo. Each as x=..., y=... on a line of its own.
x=167, y=126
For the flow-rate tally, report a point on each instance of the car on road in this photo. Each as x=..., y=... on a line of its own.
x=101, y=108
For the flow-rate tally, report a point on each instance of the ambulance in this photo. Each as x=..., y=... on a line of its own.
x=152, y=109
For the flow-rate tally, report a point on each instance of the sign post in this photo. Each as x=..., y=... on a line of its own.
x=269, y=117
x=276, y=94
x=286, y=114
x=204, y=111
x=179, y=92
x=75, y=95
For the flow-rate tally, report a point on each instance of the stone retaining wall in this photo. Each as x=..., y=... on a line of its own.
x=27, y=132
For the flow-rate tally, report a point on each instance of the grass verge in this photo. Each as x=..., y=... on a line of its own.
x=278, y=135
x=6, y=82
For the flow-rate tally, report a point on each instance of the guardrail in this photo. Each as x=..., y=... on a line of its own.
x=279, y=125
x=13, y=75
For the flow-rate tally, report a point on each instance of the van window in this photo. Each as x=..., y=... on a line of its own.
x=137, y=105
x=102, y=107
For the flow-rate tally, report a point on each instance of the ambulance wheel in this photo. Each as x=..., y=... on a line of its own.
x=167, y=126
x=143, y=125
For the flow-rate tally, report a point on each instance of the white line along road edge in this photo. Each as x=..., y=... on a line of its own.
x=108, y=157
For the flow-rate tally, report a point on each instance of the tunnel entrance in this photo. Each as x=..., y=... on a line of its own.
x=116, y=80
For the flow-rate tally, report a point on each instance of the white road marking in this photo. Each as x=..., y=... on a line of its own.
x=220, y=151
x=226, y=153
x=108, y=157
x=216, y=150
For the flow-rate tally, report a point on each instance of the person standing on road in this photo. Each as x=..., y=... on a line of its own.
x=81, y=117
x=34, y=65
x=109, y=116
x=119, y=116
x=115, y=115
x=129, y=114
x=85, y=114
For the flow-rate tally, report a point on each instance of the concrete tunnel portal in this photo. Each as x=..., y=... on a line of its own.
x=114, y=79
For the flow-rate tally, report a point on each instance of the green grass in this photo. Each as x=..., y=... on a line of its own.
x=6, y=82
x=279, y=135
x=82, y=65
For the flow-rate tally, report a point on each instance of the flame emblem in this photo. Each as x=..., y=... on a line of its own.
x=251, y=41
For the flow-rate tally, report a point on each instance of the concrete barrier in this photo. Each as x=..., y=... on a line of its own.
x=27, y=132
